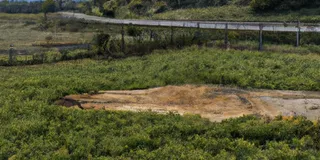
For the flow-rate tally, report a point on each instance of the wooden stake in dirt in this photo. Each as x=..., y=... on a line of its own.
x=226, y=40
x=298, y=34
x=260, y=38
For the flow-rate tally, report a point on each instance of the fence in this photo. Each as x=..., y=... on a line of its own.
x=226, y=26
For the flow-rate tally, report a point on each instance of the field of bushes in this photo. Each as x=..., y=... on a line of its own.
x=32, y=127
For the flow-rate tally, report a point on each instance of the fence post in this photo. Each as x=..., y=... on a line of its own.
x=260, y=37
x=42, y=57
x=172, y=32
x=12, y=57
x=298, y=34
x=151, y=34
x=122, y=39
x=226, y=40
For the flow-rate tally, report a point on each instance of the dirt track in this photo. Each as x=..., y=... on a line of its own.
x=212, y=102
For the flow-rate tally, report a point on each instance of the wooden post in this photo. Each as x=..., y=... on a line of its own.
x=11, y=56
x=122, y=39
x=172, y=35
x=151, y=35
x=226, y=40
x=42, y=57
x=260, y=37
x=298, y=34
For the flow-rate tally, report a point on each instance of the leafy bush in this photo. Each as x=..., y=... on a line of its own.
x=101, y=41
x=52, y=56
x=267, y=5
x=78, y=54
x=96, y=11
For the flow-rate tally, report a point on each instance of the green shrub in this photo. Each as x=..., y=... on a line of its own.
x=78, y=54
x=52, y=56
x=267, y=5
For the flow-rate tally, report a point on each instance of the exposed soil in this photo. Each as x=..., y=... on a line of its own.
x=212, y=102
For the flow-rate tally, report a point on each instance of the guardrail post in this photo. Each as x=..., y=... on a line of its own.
x=226, y=33
x=298, y=34
x=260, y=37
x=122, y=39
x=11, y=54
x=151, y=35
x=172, y=35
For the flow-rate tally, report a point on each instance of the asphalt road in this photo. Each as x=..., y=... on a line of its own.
x=249, y=26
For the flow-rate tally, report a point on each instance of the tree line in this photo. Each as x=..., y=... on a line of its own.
x=148, y=7
x=35, y=7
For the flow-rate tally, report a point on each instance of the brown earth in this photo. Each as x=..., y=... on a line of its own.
x=212, y=102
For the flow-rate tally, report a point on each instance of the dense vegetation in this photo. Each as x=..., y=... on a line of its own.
x=259, y=10
x=244, y=13
x=280, y=5
x=7, y=6
x=20, y=7
x=33, y=128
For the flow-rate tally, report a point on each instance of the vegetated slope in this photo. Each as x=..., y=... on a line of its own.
x=235, y=10
x=32, y=128
x=240, y=13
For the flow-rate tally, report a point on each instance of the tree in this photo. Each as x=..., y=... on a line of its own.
x=47, y=7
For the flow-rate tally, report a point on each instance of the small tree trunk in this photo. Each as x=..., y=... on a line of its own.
x=45, y=16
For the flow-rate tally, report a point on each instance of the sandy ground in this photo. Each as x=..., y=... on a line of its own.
x=212, y=102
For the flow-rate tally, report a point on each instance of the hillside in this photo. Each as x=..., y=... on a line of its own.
x=234, y=10
x=236, y=13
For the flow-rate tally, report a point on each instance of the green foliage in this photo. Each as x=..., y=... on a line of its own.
x=267, y=5
x=96, y=11
x=101, y=41
x=243, y=10
x=48, y=6
x=77, y=54
x=32, y=128
x=20, y=7
x=110, y=7
x=239, y=13
x=52, y=56
x=134, y=31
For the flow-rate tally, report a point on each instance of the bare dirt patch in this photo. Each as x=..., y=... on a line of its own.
x=212, y=102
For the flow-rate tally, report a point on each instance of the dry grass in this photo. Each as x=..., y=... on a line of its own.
x=22, y=17
x=15, y=30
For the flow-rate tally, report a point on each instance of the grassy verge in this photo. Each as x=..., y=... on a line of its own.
x=32, y=128
x=236, y=13
x=20, y=16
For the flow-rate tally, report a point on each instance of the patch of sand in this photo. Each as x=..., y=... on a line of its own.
x=212, y=102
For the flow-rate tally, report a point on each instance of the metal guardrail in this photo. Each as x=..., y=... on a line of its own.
x=250, y=26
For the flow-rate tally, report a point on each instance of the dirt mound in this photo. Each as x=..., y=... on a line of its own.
x=212, y=102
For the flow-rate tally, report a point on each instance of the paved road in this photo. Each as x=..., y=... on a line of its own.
x=250, y=26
